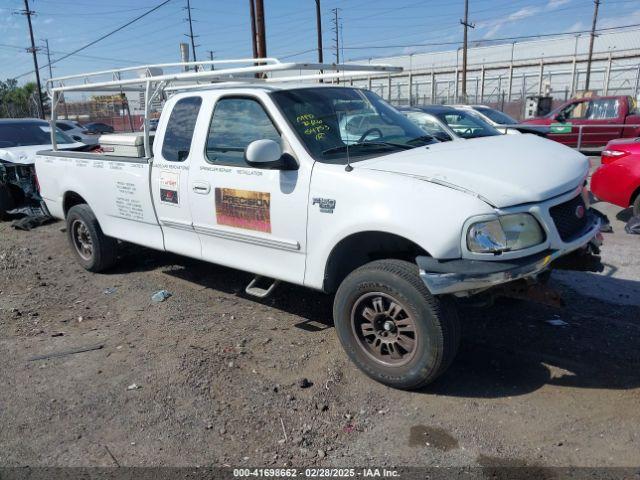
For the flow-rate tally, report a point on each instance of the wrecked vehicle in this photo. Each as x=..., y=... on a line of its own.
x=20, y=139
x=259, y=176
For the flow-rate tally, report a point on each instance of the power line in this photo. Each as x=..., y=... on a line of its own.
x=148, y=12
x=489, y=40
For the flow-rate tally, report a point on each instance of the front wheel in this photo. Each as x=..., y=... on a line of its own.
x=392, y=328
x=93, y=249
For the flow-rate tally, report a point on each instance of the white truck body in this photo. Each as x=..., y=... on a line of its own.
x=472, y=215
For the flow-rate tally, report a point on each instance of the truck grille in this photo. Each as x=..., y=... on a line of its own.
x=570, y=217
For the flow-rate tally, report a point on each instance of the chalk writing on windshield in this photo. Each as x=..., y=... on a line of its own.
x=313, y=126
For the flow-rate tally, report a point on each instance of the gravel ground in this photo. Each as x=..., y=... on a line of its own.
x=211, y=377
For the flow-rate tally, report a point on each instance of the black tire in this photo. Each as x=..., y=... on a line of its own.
x=636, y=205
x=435, y=322
x=93, y=249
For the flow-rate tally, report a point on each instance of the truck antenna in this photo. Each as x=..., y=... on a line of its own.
x=348, y=168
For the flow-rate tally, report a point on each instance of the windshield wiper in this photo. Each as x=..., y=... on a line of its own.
x=424, y=138
x=343, y=148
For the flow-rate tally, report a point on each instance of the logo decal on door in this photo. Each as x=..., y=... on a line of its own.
x=244, y=209
x=169, y=184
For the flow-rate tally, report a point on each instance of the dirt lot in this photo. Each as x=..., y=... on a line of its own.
x=219, y=373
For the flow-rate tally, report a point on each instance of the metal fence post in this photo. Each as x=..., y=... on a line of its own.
x=607, y=76
x=540, y=76
x=482, y=84
x=573, y=77
x=389, y=88
x=433, y=87
x=510, y=81
x=637, y=89
x=410, y=88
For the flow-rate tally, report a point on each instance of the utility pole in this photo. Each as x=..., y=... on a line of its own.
x=593, y=35
x=211, y=58
x=254, y=45
x=261, y=30
x=319, y=29
x=466, y=25
x=46, y=46
x=191, y=35
x=336, y=30
x=28, y=13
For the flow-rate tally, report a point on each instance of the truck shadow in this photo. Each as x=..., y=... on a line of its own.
x=508, y=349
x=511, y=349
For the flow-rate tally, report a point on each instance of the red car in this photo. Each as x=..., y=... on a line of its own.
x=617, y=181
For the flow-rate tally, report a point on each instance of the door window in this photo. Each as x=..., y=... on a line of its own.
x=237, y=122
x=179, y=131
x=603, y=109
x=575, y=111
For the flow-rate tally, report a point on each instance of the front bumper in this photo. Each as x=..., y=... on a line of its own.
x=466, y=277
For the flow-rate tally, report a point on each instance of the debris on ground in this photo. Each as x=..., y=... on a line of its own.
x=304, y=383
x=31, y=222
x=110, y=290
x=134, y=386
x=160, y=296
x=557, y=322
x=633, y=225
x=67, y=352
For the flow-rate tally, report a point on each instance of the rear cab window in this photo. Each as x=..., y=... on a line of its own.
x=178, y=134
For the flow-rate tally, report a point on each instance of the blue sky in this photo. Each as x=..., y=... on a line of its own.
x=223, y=26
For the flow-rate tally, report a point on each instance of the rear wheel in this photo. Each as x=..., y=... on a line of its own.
x=93, y=249
x=392, y=328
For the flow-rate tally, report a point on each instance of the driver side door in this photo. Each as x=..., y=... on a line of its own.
x=249, y=218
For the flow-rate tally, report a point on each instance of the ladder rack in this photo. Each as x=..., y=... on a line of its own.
x=152, y=79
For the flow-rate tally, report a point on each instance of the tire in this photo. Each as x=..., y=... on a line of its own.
x=368, y=292
x=93, y=249
x=636, y=205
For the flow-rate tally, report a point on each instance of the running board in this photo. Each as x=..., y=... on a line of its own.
x=259, y=292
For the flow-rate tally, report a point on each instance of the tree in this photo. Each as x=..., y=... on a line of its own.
x=18, y=101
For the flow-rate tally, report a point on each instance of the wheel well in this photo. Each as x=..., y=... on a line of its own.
x=71, y=199
x=364, y=247
x=634, y=195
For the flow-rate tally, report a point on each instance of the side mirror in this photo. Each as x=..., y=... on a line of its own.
x=268, y=154
x=560, y=118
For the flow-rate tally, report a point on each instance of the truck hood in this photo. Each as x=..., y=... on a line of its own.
x=504, y=171
x=27, y=155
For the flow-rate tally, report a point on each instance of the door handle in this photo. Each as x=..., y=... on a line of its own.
x=202, y=188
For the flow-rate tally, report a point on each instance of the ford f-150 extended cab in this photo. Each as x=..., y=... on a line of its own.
x=258, y=176
x=601, y=119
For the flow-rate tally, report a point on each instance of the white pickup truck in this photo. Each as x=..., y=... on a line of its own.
x=394, y=224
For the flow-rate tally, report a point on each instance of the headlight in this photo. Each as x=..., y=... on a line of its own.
x=505, y=233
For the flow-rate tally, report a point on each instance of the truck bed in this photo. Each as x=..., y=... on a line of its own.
x=117, y=188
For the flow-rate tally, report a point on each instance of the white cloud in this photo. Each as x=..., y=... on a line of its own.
x=49, y=20
x=553, y=4
x=496, y=25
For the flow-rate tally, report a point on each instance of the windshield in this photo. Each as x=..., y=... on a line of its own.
x=330, y=119
x=24, y=134
x=497, y=116
x=466, y=125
